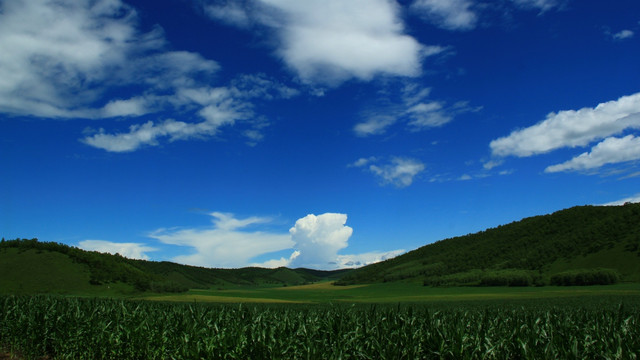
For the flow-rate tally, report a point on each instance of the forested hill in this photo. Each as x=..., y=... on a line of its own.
x=31, y=266
x=536, y=248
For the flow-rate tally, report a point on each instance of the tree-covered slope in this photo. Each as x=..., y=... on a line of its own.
x=31, y=266
x=583, y=237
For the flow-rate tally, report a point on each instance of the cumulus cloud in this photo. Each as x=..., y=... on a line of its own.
x=609, y=151
x=571, y=128
x=318, y=240
x=447, y=14
x=128, y=250
x=397, y=171
x=315, y=242
x=328, y=42
x=227, y=244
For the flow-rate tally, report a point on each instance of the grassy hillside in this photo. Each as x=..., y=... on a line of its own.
x=32, y=267
x=533, y=249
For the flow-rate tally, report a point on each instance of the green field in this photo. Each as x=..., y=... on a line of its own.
x=325, y=292
x=574, y=326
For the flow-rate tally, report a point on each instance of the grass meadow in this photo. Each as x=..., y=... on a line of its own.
x=325, y=292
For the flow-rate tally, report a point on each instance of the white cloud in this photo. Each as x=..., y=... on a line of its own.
x=363, y=161
x=318, y=239
x=226, y=244
x=398, y=171
x=314, y=240
x=231, y=12
x=447, y=14
x=276, y=263
x=364, y=259
x=328, y=42
x=572, y=128
x=56, y=53
x=375, y=124
x=491, y=164
x=413, y=107
x=610, y=151
x=632, y=199
x=425, y=115
x=542, y=5
x=62, y=60
x=128, y=250
x=624, y=34
x=219, y=108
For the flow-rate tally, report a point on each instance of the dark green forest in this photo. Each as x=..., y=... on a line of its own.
x=601, y=243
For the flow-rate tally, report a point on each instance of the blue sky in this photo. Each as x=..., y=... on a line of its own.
x=316, y=133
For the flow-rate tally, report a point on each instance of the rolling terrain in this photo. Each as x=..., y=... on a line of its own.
x=569, y=247
x=34, y=267
x=533, y=251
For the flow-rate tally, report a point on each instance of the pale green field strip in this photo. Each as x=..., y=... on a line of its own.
x=392, y=293
x=217, y=299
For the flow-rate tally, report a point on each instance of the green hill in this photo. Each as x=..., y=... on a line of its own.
x=570, y=243
x=34, y=267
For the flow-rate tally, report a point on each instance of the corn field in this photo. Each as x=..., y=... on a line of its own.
x=71, y=328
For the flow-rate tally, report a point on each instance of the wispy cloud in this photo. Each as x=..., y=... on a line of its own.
x=415, y=108
x=129, y=250
x=61, y=58
x=631, y=199
x=612, y=150
x=447, y=14
x=624, y=34
x=542, y=5
x=398, y=171
x=219, y=108
x=227, y=243
x=65, y=60
x=364, y=259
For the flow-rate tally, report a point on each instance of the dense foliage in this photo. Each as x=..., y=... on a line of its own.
x=165, y=276
x=581, y=277
x=528, y=246
x=67, y=328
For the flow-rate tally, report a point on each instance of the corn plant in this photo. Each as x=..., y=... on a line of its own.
x=71, y=328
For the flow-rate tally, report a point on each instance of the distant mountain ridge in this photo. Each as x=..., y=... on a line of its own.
x=28, y=266
x=535, y=248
